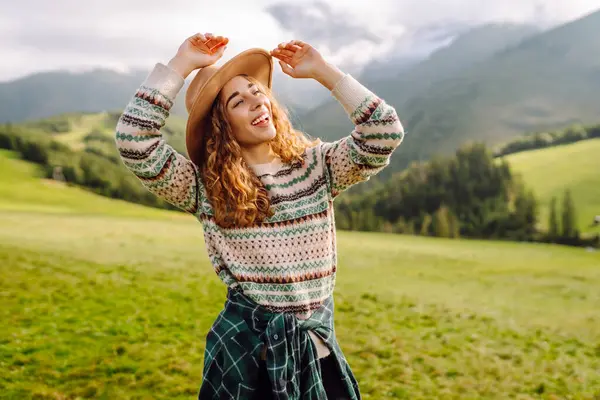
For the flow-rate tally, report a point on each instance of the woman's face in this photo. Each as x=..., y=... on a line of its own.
x=248, y=110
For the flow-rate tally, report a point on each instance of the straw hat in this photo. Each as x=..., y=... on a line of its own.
x=207, y=84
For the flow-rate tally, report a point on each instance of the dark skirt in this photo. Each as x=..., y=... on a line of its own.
x=329, y=374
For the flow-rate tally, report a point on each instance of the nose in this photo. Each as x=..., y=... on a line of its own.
x=257, y=103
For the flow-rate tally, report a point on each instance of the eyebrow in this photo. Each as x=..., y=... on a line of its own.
x=236, y=94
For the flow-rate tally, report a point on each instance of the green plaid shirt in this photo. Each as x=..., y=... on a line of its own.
x=236, y=340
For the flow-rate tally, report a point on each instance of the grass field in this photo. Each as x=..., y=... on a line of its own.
x=99, y=304
x=22, y=189
x=575, y=166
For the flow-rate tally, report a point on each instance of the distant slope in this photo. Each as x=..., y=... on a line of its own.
x=80, y=148
x=96, y=130
x=491, y=85
x=43, y=95
x=46, y=94
x=469, y=49
x=549, y=81
x=476, y=45
x=550, y=171
x=22, y=188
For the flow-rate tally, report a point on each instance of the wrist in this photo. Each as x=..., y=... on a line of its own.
x=328, y=75
x=180, y=65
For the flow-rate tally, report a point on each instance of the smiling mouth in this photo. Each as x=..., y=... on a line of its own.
x=262, y=120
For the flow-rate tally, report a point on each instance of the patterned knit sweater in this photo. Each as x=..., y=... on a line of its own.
x=288, y=262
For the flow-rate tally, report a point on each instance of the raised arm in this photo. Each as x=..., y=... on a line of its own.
x=161, y=169
x=377, y=130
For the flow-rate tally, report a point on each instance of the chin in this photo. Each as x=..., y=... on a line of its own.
x=267, y=135
x=255, y=137
x=272, y=133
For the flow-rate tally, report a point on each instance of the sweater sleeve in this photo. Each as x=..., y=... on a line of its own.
x=367, y=150
x=143, y=150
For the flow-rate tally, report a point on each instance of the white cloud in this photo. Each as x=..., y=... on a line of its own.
x=73, y=34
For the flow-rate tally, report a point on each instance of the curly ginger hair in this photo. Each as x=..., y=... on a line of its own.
x=237, y=196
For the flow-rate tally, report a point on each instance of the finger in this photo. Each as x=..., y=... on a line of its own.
x=291, y=46
x=215, y=38
x=200, y=37
x=299, y=43
x=217, y=47
x=208, y=35
x=219, y=52
x=287, y=69
x=286, y=60
x=210, y=43
x=215, y=43
x=284, y=53
x=218, y=39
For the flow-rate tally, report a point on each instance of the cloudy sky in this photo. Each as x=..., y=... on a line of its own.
x=41, y=35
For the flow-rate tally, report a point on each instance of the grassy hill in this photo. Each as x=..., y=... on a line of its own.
x=105, y=299
x=96, y=130
x=470, y=91
x=82, y=147
x=548, y=172
x=23, y=189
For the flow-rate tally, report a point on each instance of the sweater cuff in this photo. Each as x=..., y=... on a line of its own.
x=165, y=80
x=350, y=93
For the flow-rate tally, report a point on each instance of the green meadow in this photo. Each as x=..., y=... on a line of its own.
x=104, y=299
x=550, y=171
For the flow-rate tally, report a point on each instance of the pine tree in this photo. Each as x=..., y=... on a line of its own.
x=569, y=225
x=553, y=228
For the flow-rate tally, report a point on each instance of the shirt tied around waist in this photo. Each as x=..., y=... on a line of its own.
x=236, y=341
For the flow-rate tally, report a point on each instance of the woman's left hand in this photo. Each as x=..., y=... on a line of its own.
x=300, y=60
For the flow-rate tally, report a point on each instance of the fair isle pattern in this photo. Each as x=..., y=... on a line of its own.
x=288, y=262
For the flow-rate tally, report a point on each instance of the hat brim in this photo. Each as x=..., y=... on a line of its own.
x=256, y=63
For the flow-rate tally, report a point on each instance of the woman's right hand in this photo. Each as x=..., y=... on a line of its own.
x=192, y=54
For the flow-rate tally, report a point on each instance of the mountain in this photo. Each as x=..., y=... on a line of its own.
x=297, y=95
x=489, y=84
x=46, y=94
x=548, y=81
x=475, y=45
x=49, y=93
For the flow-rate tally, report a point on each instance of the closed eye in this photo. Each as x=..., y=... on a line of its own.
x=256, y=92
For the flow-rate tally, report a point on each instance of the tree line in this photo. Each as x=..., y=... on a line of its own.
x=470, y=194
x=467, y=195
x=541, y=140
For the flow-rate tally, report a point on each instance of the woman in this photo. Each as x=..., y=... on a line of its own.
x=264, y=194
